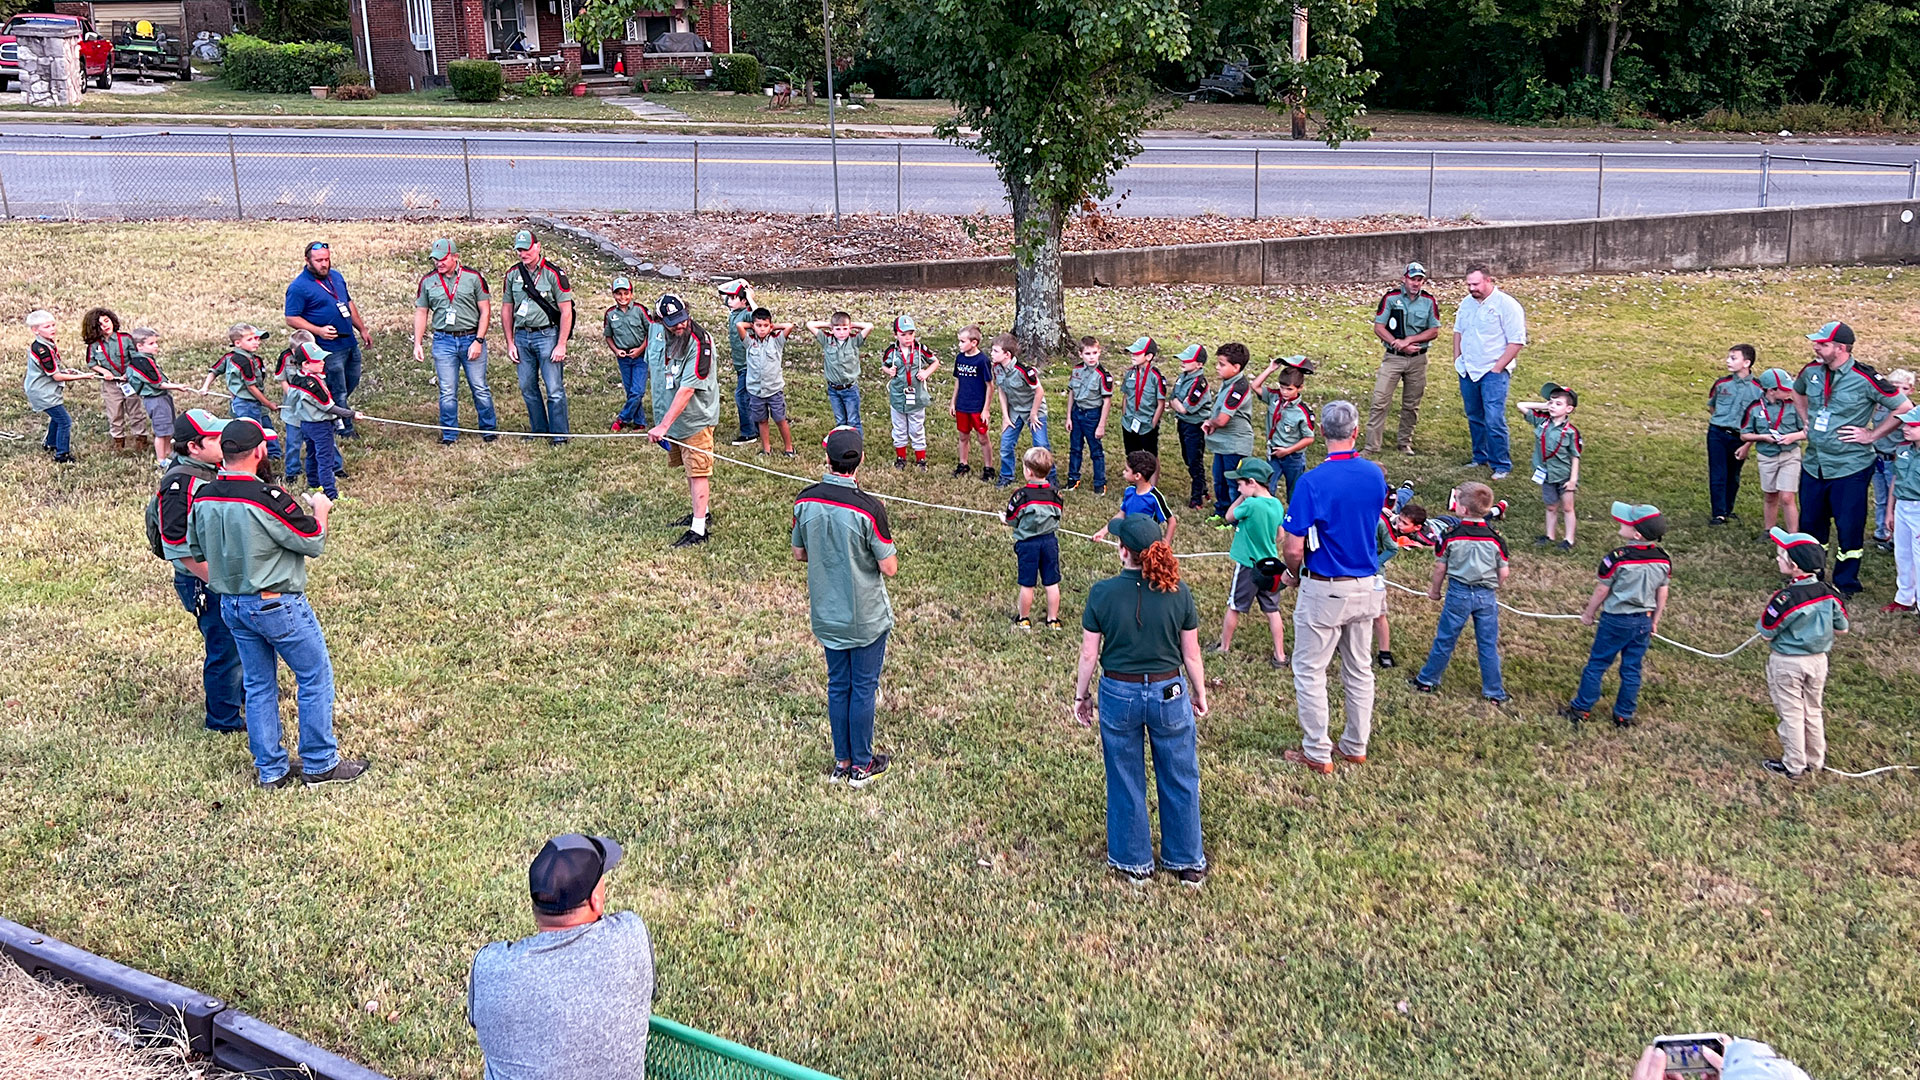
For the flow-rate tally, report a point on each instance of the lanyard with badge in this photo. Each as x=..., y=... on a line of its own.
x=446, y=315
x=1824, y=418
x=1546, y=455
x=327, y=284
x=907, y=370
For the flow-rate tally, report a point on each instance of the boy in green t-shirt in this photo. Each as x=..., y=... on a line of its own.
x=1256, y=516
x=1556, y=457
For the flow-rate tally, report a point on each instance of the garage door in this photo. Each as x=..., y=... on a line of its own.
x=171, y=14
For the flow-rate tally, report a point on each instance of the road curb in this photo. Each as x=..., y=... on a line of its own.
x=606, y=245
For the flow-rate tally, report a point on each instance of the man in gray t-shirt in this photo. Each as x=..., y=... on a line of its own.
x=573, y=1001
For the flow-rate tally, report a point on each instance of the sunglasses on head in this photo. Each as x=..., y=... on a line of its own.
x=317, y=245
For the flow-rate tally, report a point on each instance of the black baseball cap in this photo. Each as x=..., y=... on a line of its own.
x=845, y=447
x=673, y=311
x=240, y=435
x=1136, y=532
x=568, y=869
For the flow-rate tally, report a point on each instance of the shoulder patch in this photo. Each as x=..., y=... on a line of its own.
x=560, y=278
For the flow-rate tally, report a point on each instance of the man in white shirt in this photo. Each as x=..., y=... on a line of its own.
x=1489, y=330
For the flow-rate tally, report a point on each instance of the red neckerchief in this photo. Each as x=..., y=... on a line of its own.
x=1773, y=422
x=1140, y=384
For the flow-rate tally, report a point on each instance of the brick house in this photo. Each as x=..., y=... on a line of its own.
x=413, y=41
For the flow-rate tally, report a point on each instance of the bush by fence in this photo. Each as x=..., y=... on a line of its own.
x=264, y=67
x=738, y=72
x=475, y=80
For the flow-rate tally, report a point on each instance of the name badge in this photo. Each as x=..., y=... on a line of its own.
x=446, y=318
x=344, y=312
x=1821, y=419
x=1539, y=476
x=909, y=398
x=525, y=309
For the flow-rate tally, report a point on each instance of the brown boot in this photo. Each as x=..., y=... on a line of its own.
x=119, y=444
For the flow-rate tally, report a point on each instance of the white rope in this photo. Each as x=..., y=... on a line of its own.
x=1869, y=772
x=1554, y=616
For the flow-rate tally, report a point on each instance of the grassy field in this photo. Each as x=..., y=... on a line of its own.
x=520, y=654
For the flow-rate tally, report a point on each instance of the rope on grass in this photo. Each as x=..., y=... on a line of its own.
x=1556, y=616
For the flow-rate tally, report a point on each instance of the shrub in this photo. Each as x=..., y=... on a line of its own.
x=263, y=67
x=475, y=80
x=359, y=91
x=738, y=72
x=860, y=89
x=674, y=84
x=543, y=84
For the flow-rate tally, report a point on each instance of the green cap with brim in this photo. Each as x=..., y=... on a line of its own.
x=1802, y=549
x=1193, y=354
x=1634, y=513
x=1548, y=390
x=1775, y=379
x=904, y=325
x=620, y=283
x=523, y=240
x=1911, y=416
x=1136, y=532
x=1252, y=468
x=1414, y=269
x=203, y=423
x=1837, y=332
x=444, y=247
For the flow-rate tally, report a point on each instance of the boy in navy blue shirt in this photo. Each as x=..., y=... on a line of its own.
x=1141, y=497
x=972, y=375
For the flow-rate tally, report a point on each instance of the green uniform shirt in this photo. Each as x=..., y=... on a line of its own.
x=144, y=376
x=1256, y=530
x=629, y=327
x=111, y=354
x=239, y=369
x=1838, y=399
x=1775, y=417
x=1729, y=397
x=766, y=364
x=1191, y=390
x=1906, y=472
x=845, y=535
x=167, y=510
x=1474, y=554
x=691, y=359
x=549, y=281
x=1287, y=421
x=1034, y=510
x=1018, y=383
x=1088, y=385
x=841, y=358
x=1801, y=619
x=1407, y=316
x=1886, y=445
x=1142, y=388
x=283, y=367
x=906, y=387
x=1556, y=446
x=1383, y=543
x=1634, y=574
x=1235, y=404
x=1139, y=626
x=254, y=536
x=453, y=303
x=738, y=319
x=43, y=390
x=309, y=401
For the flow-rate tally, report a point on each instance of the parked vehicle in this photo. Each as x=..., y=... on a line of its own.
x=96, y=53
x=1234, y=81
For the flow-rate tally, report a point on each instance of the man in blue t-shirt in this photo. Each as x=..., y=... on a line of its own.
x=318, y=302
x=1331, y=553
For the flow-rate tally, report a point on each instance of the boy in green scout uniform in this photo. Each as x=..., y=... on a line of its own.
x=196, y=461
x=740, y=302
x=1406, y=321
x=1143, y=398
x=1089, y=399
x=1290, y=428
x=310, y=403
x=1837, y=397
x=1799, y=623
x=907, y=364
x=1773, y=430
x=241, y=370
x=153, y=389
x=538, y=320
x=1631, y=597
x=1556, y=457
x=1905, y=494
x=43, y=389
x=1034, y=512
x=689, y=419
x=455, y=302
x=1230, y=428
x=1022, y=403
x=107, y=349
x=1191, y=406
x=1471, y=561
x=636, y=340
x=1727, y=401
x=289, y=364
x=840, y=340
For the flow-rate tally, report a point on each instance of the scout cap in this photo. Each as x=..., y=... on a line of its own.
x=1143, y=345
x=1775, y=379
x=309, y=350
x=1838, y=333
x=240, y=435
x=244, y=329
x=1254, y=469
x=1911, y=416
x=1193, y=354
x=523, y=241
x=444, y=247
x=736, y=287
x=1414, y=269
x=1552, y=388
x=845, y=447
x=1136, y=532
x=40, y=317
x=203, y=423
x=673, y=311
x=620, y=283
x=1298, y=363
x=1802, y=550
x=1634, y=513
x=568, y=869
x=904, y=325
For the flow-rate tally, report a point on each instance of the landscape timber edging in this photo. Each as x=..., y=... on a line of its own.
x=1872, y=233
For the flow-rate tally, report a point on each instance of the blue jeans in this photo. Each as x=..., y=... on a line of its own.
x=1882, y=486
x=449, y=360
x=1289, y=469
x=633, y=379
x=853, y=685
x=343, y=372
x=1485, y=403
x=220, y=674
x=264, y=632
x=1625, y=636
x=323, y=457
x=1134, y=717
x=1481, y=604
x=1084, y=423
x=741, y=402
x=59, y=429
x=1224, y=490
x=546, y=411
x=248, y=409
x=1010, y=439
x=845, y=403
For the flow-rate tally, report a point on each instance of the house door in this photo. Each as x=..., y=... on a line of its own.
x=590, y=58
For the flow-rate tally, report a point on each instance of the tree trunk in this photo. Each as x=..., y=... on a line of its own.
x=1593, y=48
x=1039, y=295
x=1613, y=43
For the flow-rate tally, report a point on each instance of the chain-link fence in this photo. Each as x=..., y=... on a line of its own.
x=400, y=174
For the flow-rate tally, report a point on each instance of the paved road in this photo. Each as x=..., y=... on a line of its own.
x=58, y=172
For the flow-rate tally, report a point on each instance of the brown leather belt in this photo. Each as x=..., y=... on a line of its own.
x=1159, y=676
x=1323, y=577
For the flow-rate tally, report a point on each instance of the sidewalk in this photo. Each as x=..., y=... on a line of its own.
x=282, y=120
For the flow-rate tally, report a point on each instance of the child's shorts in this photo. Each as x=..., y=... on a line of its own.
x=970, y=422
x=1039, y=558
x=1551, y=493
x=1246, y=589
x=773, y=407
x=1780, y=472
x=160, y=412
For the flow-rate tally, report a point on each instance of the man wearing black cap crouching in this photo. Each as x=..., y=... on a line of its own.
x=571, y=1002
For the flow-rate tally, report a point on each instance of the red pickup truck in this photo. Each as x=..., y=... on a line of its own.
x=96, y=52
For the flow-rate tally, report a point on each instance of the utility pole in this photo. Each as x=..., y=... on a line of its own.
x=833, y=138
x=1299, y=57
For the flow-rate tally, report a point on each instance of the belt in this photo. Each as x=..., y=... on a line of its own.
x=269, y=595
x=1725, y=428
x=438, y=332
x=841, y=385
x=1158, y=676
x=1326, y=577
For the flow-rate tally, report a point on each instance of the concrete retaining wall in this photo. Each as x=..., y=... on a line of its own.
x=1787, y=236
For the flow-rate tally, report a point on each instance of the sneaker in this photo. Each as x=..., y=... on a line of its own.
x=1191, y=878
x=447, y=442
x=1499, y=474
x=1885, y=546
x=1351, y=759
x=689, y=539
x=745, y=440
x=1023, y=625
x=1101, y=490
x=1217, y=650
x=1565, y=545
x=1542, y=540
x=346, y=772
x=291, y=779
x=1408, y=450
x=1131, y=877
x=1279, y=663
x=1219, y=522
x=789, y=453
x=1195, y=504
x=68, y=459
x=861, y=775
x=960, y=471
x=1574, y=716
x=1499, y=511
x=1496, y=699
x=1470, y=463
x=839, y=773
x=1324, y=768
x=1002, y=483
x=1385, y=659
x=1896, y=607
x=341, y=474
x=987, y=475
x=900, y=463
x=1054, y=625
x=489, y=437
x=1622, y=721
x=1422, y=688
x=921, y=464
x=687, y=521
x=615, y=426
x=1072, y=485
x=1779, y=768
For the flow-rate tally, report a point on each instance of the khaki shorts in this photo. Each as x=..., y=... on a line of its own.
x=697, y=456
x=1780, y=472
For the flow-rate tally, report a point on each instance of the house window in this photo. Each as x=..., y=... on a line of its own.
x=237, y=10
x=509, y=30
x=420, y=24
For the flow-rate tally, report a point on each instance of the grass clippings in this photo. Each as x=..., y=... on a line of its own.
x=60, y=1032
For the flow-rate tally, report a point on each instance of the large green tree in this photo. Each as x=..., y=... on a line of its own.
x=789, y=35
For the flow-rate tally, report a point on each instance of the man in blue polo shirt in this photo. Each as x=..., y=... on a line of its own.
x=318, y=302
x=1331, y=555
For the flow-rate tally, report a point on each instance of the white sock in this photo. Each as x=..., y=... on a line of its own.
x=700, y=525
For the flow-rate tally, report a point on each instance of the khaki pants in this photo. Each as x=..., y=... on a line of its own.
x=1797, y=683
x=1411, y=373
x=1332, y=616
x=124, y=414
